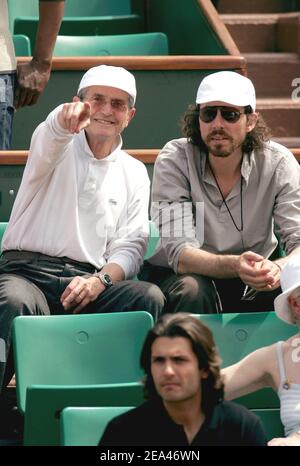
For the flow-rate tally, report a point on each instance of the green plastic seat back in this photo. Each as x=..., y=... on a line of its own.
x=21, y=45
x=73, y=8
x=45, y=403
x=271, y=422
x=3, y=226
x=237, y=335
x=84, y=18
x=153, y=239
x=17, y=8
x=97, y=8
x=79, y=349
x=85, y=426
x=87, y=25
x=152, y=43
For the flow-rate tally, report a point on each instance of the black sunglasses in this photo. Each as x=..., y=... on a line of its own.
x=208, y=114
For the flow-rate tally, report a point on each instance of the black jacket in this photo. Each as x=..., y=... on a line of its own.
x=150, y=424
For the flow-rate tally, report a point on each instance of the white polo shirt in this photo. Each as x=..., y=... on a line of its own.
x=71, y=204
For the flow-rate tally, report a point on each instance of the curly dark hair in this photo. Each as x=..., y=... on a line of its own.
x=253, y=140
x=188, y=326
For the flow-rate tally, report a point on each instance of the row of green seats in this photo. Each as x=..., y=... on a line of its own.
x=96, y=17
x=148, y=43
x=85, y=426
x=75, y=360
x=73, y=8
x=95, y=361
x=90, y=18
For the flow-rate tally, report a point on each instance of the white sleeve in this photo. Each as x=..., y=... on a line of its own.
x=129, y=247
x=48, y=146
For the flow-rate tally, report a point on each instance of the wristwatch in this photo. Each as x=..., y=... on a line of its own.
x=105, y=279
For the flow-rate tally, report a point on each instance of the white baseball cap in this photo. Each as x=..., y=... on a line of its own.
x=112, y=76
x=229, y=87
x=289, y=280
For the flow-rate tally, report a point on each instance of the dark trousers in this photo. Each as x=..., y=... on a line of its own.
x=33, y=286
x=202, y=295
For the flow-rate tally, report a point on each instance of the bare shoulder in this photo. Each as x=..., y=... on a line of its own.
x=268, y=354
x=265, y=355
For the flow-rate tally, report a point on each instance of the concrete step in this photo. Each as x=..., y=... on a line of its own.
x=273, y=74
x=282, y=116
x=265, y=32
x=288, y=32
x=256, y=6
x=252, y=32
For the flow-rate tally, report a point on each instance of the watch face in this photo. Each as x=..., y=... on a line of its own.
x=107, y=280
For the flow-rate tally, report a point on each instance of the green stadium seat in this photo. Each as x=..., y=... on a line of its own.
x=237, y=335
x=87, y=26
x=22, y=45
x=84, y=18
x=271, y=422
x=73, y=8
x=45, y=403
x=97, y=8
x=3, y=226
x=78, y=349
x=85, y=426
x=154, y=43
x=153, y=239
x=83, y=350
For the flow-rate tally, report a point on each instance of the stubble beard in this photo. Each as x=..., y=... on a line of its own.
x=219, y=149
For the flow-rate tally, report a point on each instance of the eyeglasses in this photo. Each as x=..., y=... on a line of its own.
x=99, y=100
x=208, y=114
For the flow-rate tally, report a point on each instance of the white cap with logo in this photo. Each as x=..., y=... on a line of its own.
x=229, y=87
x=112, y=76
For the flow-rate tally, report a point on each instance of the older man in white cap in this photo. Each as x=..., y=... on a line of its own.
x=219, y=195
x=79, y=227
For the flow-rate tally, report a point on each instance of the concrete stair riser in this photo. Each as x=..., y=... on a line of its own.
x=267, y=33
x=288, y=33
x=256, y=6
x=273, y=74
x=282, y=117
x=252, y=33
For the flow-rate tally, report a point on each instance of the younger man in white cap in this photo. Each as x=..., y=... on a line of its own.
x=79, y=227
x=218, y=196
